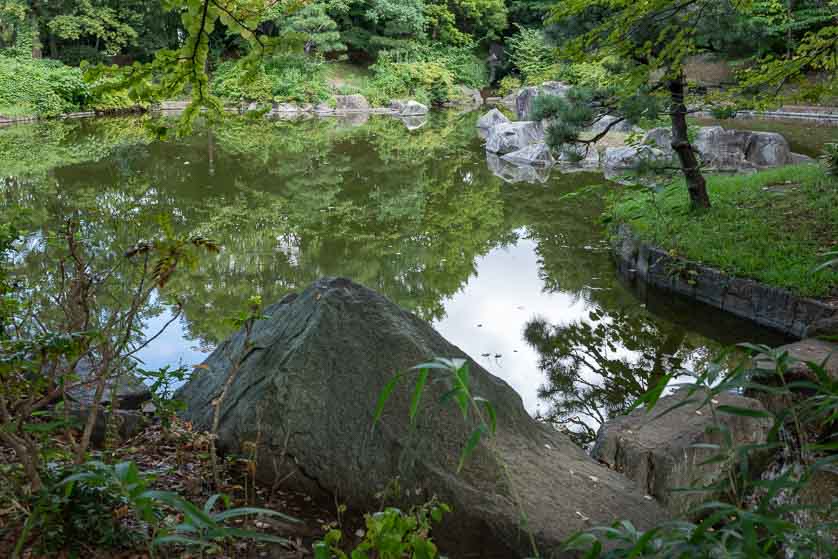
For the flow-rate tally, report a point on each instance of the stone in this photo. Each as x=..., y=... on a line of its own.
x=823, y=327
x=286, y=108
x=130, y=423
x=767, y=149
x=414, y=122
x=131, y=391
x=351, y=103
x=525, y=96
x=514, y=173
x=660, y=453
x=660, y=138
x=492, y=118
x=629, y=158
x=623, y=127
x=323, y=108
x=511, y=136
x=305, y=393
x=736, y=150
x=799, y=158
x=580, y=155
x=413, y=108
x=534, y=154
x=397, y=104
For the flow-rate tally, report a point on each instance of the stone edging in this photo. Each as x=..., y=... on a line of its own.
x=768, y=306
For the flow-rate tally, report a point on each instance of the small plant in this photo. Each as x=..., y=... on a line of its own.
x=829, y=158
x=757, y=517
x=390, y=534
x=99, y=498
x=723, y=112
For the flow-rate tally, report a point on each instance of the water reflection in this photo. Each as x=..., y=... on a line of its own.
x=415, y=214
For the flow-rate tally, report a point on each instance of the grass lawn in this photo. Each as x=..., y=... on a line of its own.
x=773, y=226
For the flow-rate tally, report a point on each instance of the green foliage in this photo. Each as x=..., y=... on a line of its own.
x=390, y=534
x=756, y=517
x=94, y=486
x=771, y=226
x=830, y=158
x=284, y=77
x=509, y=84
x=320, y=30
x=424, y=72
x=41, y=87
x=532, y=56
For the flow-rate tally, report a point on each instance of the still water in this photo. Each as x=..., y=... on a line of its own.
x=415, y=214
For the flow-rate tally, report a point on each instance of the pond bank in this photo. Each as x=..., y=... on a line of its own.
x=773, y=307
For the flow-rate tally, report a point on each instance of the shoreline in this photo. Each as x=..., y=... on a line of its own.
x=772, y=307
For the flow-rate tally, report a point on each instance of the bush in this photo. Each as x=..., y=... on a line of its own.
x=286, y=77
x=532, y=56
x=41, y=87
x=424, y=72
x=74, y=55
x=508, y=84
x=830, y=158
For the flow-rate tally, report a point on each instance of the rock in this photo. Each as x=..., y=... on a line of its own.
x=323, y=108
x=580, y=155
x=253, y=106
x=515, y=173
x=767, y=149
x=131, y=391
x=286, y=108
x=535, y=154
x=306, y=391
x=629, y=158
x=413, y=108
x=525, y=96
x=733, y=150
x=660, y=454
x=397, y=104
x=414, y=122
x=623, y=127
x=660, y=138
x=351, y=103
x=512, y=136
x=823, y=327
x=465, y=97
x=492, y=118
x=129, y=423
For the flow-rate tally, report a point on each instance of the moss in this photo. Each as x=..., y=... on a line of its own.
x=773, y=226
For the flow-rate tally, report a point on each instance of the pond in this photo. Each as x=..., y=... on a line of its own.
x=415, y=214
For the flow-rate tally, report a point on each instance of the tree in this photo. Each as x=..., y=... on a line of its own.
x=104, y=24
x=653, y=39
x=315, y=22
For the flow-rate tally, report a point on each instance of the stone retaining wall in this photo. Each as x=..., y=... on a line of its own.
x=768, y=306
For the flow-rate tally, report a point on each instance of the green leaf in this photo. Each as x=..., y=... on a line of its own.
x=245, y=511
x=417, y=393
x=383, y=397
x=471, y=444
x=490, y=410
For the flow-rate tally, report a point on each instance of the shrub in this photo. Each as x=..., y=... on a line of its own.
x=508, y=84
x=830, y=158
x=532, y=56
x=41, y=87
x=285, y=77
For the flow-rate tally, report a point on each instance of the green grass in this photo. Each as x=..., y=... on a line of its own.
x=17, y=111
x=345, y=74
x=773, y=226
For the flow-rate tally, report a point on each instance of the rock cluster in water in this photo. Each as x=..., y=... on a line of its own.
x=513, y=146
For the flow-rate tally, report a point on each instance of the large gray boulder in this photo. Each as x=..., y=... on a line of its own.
x=351, y=103
x=622, y=127
x=535, y=154
x=580, y=155
x=491, y=118
x=305, y=393
x=511, y=136
x=661, y=454
x=736, y=150
x=525, y=96
x=660, y=138
x=628, y=158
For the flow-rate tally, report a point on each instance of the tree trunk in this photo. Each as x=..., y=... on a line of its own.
x=36, y=38
x=696, y=185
